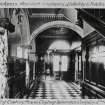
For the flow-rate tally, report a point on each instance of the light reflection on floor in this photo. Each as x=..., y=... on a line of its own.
x=55, y=89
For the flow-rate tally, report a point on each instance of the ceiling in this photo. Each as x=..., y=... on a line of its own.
x=59, y=33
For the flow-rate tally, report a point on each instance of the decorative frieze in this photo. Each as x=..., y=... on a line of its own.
x=48, y=16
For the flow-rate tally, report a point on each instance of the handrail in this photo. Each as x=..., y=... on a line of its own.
x=95, y=88
x=67, y=18
x=98, y=24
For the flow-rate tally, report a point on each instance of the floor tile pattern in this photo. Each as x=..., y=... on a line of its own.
x=55, y=89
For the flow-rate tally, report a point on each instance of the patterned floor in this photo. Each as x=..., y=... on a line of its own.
x=56, y=89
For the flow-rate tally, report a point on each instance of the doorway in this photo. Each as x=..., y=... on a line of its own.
x=60, y=66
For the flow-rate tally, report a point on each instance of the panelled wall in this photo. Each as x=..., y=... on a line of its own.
x=93, y=56
x=16, y=82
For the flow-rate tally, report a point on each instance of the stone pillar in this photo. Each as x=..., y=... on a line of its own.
x=27, y=73
x=4, y=89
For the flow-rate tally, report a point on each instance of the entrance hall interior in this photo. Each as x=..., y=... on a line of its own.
x=54, y=48
x=52, y=53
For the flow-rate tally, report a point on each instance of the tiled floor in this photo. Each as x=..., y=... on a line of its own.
x=56, y=89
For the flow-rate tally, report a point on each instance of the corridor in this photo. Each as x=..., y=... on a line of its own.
x=52, y=53
x=55, y=89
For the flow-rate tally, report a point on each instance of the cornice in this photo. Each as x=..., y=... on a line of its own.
x=47, y=16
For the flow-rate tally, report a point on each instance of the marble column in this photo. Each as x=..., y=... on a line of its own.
x=4, y=89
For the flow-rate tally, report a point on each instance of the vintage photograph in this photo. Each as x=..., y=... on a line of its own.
x=52, y=53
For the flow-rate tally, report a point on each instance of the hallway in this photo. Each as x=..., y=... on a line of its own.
x=55, y=89
x=52, y=53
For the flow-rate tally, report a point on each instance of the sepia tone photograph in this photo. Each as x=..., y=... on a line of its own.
x=52, y=53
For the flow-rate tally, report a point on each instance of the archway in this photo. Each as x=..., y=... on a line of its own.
x=48, y=25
